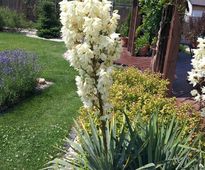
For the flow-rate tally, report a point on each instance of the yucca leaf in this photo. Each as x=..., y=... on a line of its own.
x=168, y=133
x=95, y=135
x=150, y=165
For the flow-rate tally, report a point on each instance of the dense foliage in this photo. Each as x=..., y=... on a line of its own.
x=123, y=28
x=1, y=23
x=48, y=22
x=12, y=20
x=150, y=11
x=141, y=42
x=18, y=73
x=145, y=93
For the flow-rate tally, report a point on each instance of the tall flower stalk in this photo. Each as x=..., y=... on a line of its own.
x=89, y=34
x=197, y=75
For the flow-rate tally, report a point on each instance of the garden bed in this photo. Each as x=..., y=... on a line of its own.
x=18, y=73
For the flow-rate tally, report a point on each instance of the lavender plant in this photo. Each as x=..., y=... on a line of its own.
x=18, y=73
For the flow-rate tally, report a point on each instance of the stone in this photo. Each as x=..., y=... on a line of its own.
x=41, y=81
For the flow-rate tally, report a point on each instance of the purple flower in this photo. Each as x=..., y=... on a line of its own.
x=18, y=73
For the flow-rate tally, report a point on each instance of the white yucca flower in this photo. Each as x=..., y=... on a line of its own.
x=88, y=30
x=197, y=74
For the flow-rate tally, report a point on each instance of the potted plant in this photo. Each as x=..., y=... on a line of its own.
x=124, y=31
x=142, y=45
x=154, y=46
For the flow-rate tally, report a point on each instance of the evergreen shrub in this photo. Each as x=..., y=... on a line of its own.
x=48, y=23
x=12, y=20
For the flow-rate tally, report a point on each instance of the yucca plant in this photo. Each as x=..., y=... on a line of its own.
x=134, y=147
x=165, y=146
x=90, y=149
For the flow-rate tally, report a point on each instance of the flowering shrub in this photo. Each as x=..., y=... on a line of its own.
x=89, y=34
x=197, y=74
x=18, y=73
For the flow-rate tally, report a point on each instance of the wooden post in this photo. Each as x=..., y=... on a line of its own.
x=159, y=58
x=133, y=26
x=171, y=56
x=168, y=44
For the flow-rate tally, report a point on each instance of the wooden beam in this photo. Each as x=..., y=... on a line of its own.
x=133, y=27
x=171, y=56
x=159, y=58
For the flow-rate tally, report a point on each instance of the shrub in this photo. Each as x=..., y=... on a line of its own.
x=12, y=19
x=2, y=24
x=145, y=93
x=142, y=41
x=48, y=24
x=18, y=73
x=123, y=29
x=151, y=11
x=144, y=146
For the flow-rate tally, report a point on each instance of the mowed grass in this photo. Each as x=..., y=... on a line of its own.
x=31, y=131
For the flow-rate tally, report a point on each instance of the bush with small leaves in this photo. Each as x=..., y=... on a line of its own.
x=142, y=94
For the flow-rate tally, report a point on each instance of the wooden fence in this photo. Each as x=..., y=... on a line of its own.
x=124, y=10
x=28, y=9
x=17, y=5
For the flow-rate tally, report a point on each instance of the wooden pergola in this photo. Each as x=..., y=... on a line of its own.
x=169, y=36
x=133, y=26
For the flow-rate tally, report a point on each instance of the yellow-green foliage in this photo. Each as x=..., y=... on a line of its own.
x=143, y=94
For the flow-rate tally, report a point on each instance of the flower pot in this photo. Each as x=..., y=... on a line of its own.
x=144, y=50
x=194, y=43
x=124, y=41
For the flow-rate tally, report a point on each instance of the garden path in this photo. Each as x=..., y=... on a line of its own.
x=33, y=34
x=181, y=86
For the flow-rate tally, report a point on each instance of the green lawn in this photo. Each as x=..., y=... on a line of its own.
x=31, y=130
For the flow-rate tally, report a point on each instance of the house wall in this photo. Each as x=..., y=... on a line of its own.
x=189, y=13
x=198, y=11
x=194, y=11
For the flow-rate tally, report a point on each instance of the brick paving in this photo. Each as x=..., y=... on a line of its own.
x=126, y=59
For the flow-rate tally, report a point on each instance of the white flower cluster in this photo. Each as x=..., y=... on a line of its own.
x=89, y=34
x=197, y=74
